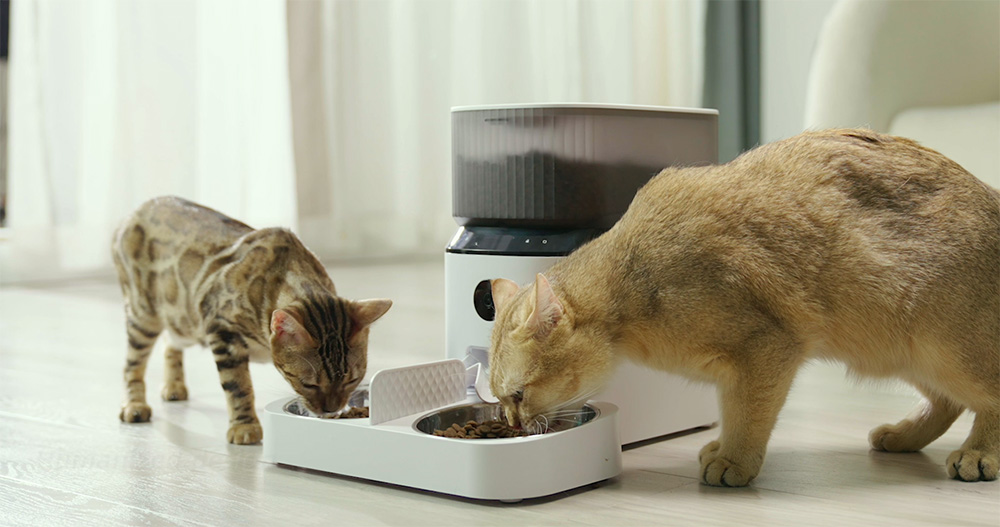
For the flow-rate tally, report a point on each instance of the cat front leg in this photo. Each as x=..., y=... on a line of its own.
x=142, y=335
x=750, y=401
x=232, y=361
x=174, y=388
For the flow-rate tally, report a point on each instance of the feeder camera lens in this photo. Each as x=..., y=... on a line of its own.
x=482, y=299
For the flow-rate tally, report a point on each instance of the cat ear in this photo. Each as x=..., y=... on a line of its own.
x=502, y=291
x=287, y=331
x=548, y=310
x=365, y=312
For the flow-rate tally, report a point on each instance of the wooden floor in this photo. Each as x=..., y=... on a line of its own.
x=65, y=459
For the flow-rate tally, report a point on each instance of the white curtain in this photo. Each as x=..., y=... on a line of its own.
x=113, y=102
x=373, y=82
x=116, y=101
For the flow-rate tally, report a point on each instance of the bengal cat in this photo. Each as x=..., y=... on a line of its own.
x=260, y=295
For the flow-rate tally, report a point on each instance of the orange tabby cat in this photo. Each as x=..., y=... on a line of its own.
x=843, y=244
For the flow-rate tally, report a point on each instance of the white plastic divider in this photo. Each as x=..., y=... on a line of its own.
x=409, y=390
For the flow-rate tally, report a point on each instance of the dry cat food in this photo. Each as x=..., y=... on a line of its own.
x=480, y=430
x=355, y=412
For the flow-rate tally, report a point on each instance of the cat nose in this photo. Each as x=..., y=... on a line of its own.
x=513, y=419
x=514, y=415
x=335, y=402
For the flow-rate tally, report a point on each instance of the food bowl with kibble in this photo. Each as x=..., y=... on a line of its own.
x=427, y=427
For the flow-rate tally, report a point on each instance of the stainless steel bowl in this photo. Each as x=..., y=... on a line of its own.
x=479, y=412
x=358, y=398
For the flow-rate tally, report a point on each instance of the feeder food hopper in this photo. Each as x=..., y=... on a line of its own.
x=530, y=185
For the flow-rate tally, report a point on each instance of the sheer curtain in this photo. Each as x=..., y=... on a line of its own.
x=373, y=82
x=328, y=117
x=114, y=102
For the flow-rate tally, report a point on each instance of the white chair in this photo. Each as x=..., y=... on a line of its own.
x=927, y=70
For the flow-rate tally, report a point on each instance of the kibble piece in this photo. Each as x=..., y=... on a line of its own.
x=490, y=429
x=355, y=412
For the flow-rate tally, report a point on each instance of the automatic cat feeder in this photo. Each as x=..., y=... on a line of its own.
x=530, y=184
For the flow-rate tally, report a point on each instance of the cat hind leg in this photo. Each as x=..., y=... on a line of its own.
x=979, y=457
x=927, y=422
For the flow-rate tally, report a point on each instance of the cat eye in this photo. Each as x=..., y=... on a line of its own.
x=310, y=386
x=518, y=396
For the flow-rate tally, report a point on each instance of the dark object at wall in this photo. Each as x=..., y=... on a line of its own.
x=4, y=27
x=732, y=73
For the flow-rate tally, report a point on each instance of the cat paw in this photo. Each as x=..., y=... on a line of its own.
x=135, y=413
x=174, y=391
x=721, y=472
x=892, y=438
x=245, y=434
x=710, y=450
x=972, y=465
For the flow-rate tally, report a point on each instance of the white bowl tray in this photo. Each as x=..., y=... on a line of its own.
x=388, y=447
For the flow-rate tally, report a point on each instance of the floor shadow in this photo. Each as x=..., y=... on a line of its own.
x=528, y=502
x=917, y=465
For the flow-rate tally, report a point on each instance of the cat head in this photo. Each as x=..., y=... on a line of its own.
x=542, y=357
x=320, y=346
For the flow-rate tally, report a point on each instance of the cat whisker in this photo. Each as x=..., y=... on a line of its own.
x=563, y=411
x=536, y=426
x=564, y=417
x=576, y=403
x=567, y=412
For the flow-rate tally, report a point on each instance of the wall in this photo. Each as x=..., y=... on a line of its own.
x=788, y=36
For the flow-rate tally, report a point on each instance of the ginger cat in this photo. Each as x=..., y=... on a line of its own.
x=841, y=244
x=249, y=295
